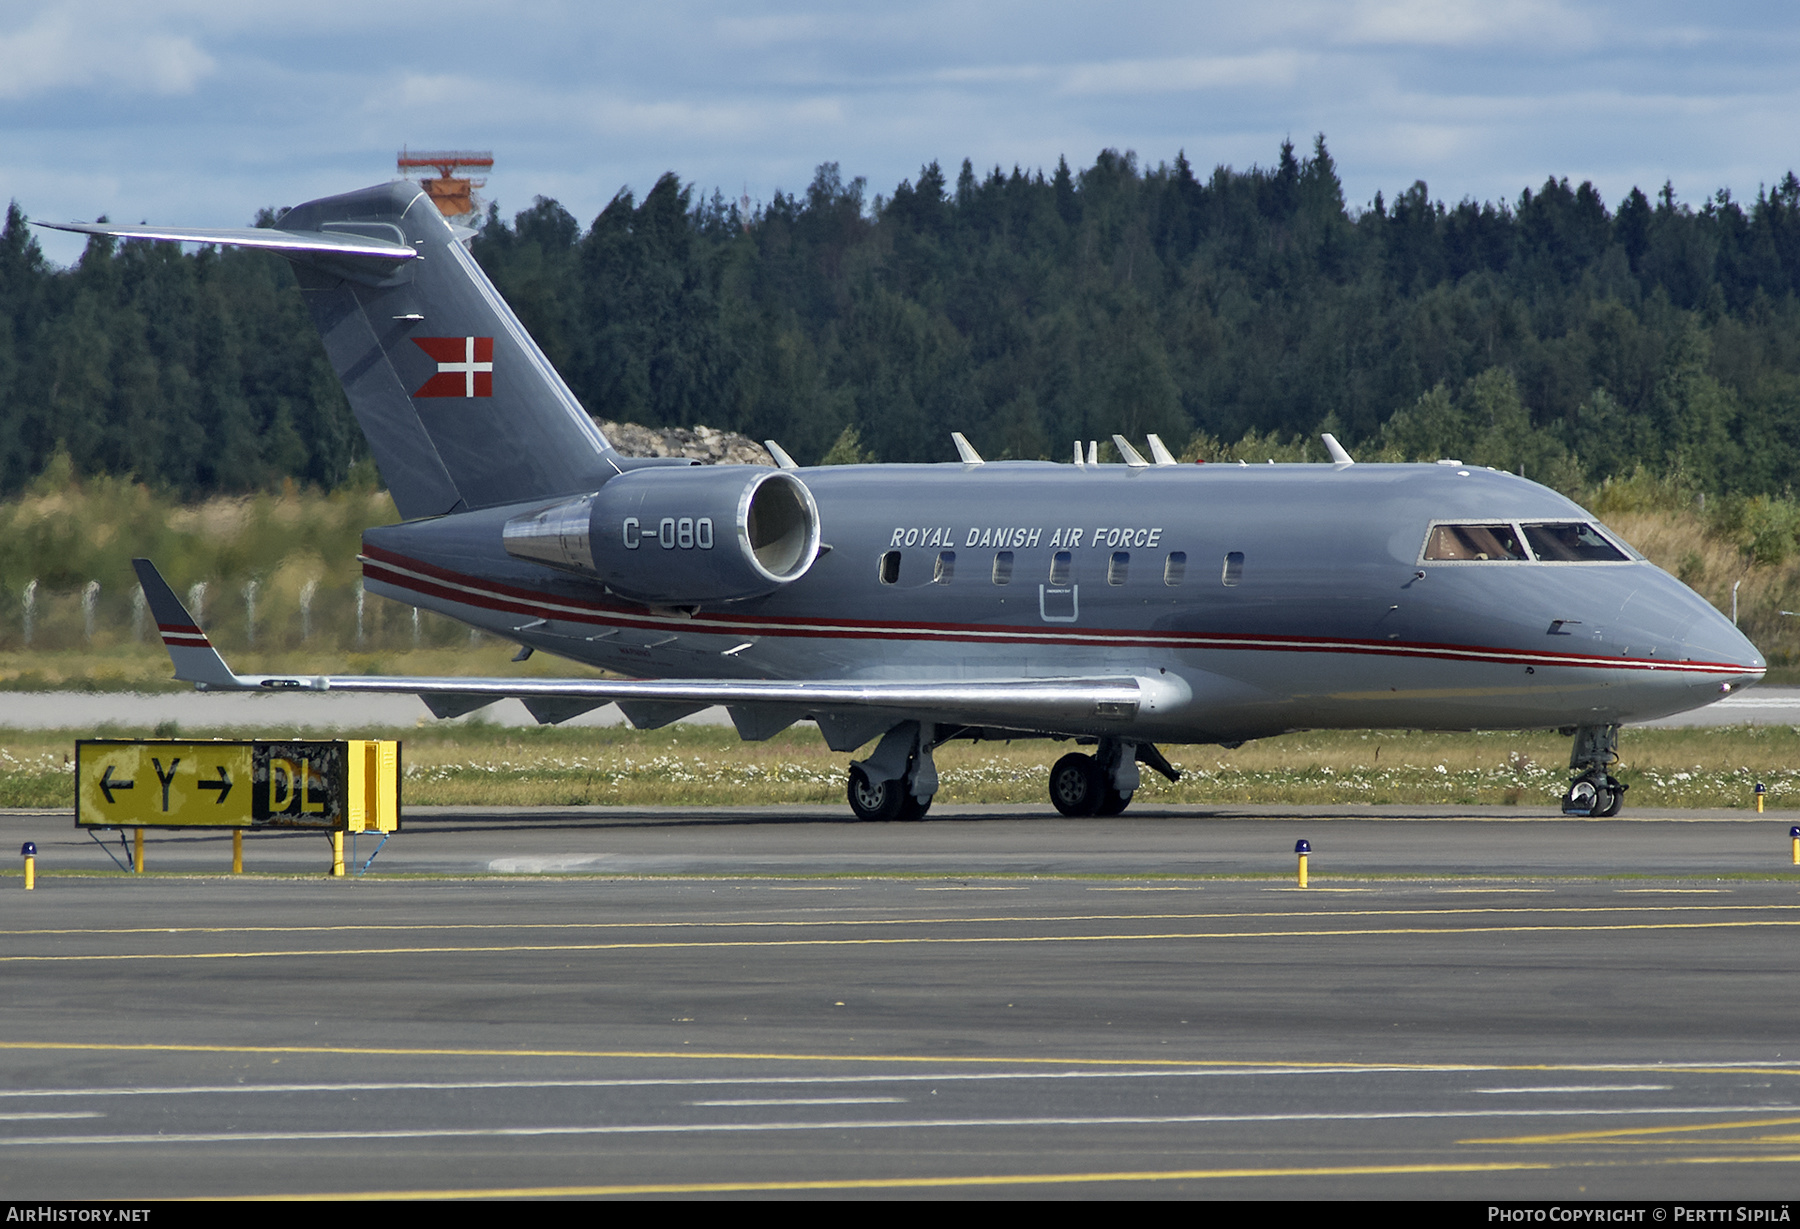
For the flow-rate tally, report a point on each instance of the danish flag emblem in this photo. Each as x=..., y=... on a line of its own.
x=465, y=366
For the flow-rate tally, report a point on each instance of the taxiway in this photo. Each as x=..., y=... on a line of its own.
x=985, y=1004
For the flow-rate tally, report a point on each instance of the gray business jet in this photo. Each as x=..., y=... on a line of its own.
x=1120, y=606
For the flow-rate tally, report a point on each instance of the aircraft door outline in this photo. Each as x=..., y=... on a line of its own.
x=1048, y=598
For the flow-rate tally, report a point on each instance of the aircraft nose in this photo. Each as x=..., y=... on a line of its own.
x=1713, y=639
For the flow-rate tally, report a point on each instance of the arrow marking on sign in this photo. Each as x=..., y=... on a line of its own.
x=108, y=785
x=223, y=785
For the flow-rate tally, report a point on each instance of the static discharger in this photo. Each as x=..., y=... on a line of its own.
x=1301, y=849
x=29, y=851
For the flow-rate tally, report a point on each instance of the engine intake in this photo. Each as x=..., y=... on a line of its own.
x=676, y=537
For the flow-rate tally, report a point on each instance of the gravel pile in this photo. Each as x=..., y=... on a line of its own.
x=700, y=444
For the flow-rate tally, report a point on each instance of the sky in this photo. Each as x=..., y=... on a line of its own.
x=200, y=112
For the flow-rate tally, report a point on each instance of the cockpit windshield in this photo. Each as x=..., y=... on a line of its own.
x=1571, y=542
x=1474, y=542
x=1543, y=542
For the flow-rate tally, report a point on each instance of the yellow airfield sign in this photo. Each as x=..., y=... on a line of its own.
x=296, y=784
x=131, y=784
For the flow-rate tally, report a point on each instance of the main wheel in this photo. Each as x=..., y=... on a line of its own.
x=871, y=800
x=1112, y=802
x=1614, y=795
x=910, y=807
x=1075, y=785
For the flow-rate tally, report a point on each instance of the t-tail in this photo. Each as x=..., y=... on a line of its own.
x=460, y=407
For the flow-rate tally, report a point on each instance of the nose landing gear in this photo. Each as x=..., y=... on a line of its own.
x=1596, y=793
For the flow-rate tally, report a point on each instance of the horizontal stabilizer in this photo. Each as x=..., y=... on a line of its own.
x=247, y=237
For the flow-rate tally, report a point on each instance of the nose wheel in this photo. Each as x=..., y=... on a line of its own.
x=1596, y=793
x=1595, y=796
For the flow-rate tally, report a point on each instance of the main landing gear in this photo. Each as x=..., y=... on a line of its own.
x=1595, y=793
x=1103, y=783
x=883, y=800
x=899, y=779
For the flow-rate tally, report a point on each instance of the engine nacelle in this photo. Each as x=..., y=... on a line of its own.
x=678, y=537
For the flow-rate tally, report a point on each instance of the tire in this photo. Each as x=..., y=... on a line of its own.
x=878, y=803
x=1583, y=798
x=911, y=808
x=1075, y=785
x=1614, y=796
x=1112, y=802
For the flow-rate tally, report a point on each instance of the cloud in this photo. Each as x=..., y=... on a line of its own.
x=1467, y=23
x=94, y=46
x=1182, y=74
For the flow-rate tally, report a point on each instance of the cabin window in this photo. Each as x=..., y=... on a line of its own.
x=1117, y=567
x=945, y=568
x=1469, y=543
x=1233, y=572
x=1571, y=542
x=1003, y=561
x=890, y=568
x=1175, y=568
x=1059, y=567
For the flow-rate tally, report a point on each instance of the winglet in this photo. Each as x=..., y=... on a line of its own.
x=196, y=661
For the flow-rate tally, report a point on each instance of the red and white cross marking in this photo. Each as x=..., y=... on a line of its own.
x=465, y=366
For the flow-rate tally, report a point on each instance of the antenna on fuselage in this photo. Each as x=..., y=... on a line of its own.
x=1159, y=452
x=1338, y=456
x=965, y=450
x=782, y=460
x=1078, y=458
x=1093, y=452
x=1130, y=455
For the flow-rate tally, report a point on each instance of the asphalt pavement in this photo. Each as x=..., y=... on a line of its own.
x=991, y=1003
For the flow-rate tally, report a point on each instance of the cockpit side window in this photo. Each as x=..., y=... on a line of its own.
x=1468, y=543
x=1571, y=542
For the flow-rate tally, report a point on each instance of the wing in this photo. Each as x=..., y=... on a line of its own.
x=759, y=707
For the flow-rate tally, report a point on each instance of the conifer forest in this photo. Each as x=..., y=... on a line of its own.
x=1236, y=313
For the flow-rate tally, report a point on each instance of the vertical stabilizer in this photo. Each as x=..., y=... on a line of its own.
x=460, y=407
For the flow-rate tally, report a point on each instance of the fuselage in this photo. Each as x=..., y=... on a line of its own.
x=1281, y=596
